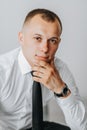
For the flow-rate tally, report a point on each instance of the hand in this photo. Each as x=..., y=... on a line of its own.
x=48, y=75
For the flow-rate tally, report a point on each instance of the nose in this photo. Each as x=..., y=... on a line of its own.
x=44, y=46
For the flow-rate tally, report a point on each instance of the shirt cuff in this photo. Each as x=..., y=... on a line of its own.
x=68, y=101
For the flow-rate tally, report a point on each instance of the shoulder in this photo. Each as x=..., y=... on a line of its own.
x=60, y=64
x=6, y=62
x=8, y=58
x=63, y=68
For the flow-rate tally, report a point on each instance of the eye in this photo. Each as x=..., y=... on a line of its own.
x=53, y=41
x=38, y=38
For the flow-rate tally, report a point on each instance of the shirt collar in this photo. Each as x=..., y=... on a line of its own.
x=23, y=63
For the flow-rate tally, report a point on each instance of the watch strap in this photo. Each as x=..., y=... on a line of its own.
x=64, y=92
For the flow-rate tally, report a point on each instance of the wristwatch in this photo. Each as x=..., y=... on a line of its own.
x=65, y=91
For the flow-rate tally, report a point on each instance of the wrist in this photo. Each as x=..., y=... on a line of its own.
x=65, y=92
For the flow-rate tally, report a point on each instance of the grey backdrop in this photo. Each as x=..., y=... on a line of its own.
x=74, y=38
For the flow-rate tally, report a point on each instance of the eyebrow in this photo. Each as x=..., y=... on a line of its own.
x=48, y=38
x=38, y=34
x=54, y=38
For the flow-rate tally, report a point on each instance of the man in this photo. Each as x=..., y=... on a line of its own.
x=39, y=39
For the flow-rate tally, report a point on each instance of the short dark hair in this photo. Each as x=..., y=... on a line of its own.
x=45, y=14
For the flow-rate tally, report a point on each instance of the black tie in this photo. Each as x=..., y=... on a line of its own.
x=37, y=109
x=37, y=112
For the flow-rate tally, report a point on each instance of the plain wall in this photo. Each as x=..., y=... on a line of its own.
x=73, y=47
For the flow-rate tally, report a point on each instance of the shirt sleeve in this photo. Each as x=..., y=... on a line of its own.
x=2, y=79
x=72, y=106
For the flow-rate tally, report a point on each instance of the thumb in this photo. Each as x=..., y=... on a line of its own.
x=52, y=63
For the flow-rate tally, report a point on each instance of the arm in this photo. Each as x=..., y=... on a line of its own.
x=72, y=106
x=54, y=78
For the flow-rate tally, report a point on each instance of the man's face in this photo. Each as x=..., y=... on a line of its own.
x=39, y=39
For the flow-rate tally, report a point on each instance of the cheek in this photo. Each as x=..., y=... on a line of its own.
x=53, y=51
x=29, y=45
x=32, y=49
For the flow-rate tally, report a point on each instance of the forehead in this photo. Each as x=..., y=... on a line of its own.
x=37, y=23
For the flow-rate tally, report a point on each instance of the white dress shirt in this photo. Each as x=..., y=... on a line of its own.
x=16, y=94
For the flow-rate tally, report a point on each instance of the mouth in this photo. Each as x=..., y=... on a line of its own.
x=43, y=58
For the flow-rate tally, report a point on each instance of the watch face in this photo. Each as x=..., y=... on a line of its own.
x=64, y=92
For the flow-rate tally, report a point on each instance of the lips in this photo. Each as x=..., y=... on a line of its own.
x=40, y=57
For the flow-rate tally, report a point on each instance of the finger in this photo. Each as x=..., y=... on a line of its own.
x=35, y=68
x=38, y=69
x=36, y=78
x=39, y=74
x=40, y=79
x=35, y=74
x=53, y=64
x=43, y=64
x=39, y=62
x=52, y=61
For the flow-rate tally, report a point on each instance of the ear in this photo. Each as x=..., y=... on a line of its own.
x=21, y=38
